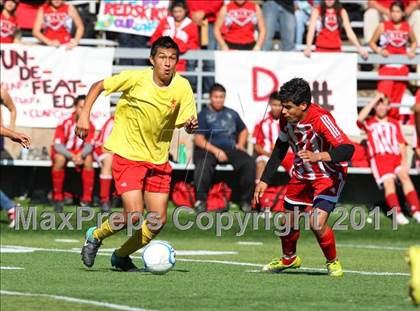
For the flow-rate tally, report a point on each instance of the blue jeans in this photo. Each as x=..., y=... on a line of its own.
x=301, y=19
x=276, y=16
x=5, y=202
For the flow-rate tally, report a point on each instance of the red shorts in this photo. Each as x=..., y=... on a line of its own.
x=304, y=192
x=385, y=166
x=140, y=175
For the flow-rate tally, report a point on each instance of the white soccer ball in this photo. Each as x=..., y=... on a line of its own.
x=158, y=257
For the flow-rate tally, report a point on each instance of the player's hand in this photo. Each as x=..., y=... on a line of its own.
x=191, y=125
x=221, y=156
x=307, y=52
x=72, y=44
x=239, y=147
x=225, y=47
x=54, y=43
x=384, y=53
x=411, y=54
x=259, y=191
x=309, y=156
x=82, y=127
x=363, y=53
x=22, y=139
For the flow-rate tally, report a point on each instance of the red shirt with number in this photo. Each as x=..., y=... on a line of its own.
x=57, y=23
x=328, y=32
x=8, y=27
x=395, y=39
x=240, y=22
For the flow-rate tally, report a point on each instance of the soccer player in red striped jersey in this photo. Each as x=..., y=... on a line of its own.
x=68, y=147
x=321, y=150
x=104, y=158
x=387, y=149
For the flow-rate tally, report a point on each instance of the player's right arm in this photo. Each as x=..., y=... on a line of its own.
x=364, y=113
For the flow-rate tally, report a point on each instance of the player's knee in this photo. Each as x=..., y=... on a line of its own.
x=88, y=162
x=59, y=161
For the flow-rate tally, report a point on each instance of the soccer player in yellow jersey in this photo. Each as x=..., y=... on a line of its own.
x=154, y=101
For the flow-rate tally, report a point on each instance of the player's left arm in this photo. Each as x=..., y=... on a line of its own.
x=242, y=137
x=351, y=35
x=411, y=51
x=342, y=149
x=89, y=143
x=187, y=116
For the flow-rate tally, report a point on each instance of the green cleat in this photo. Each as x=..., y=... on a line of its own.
x=123, y=263
x=334, y=268
x=277, y=265
x=90, y=249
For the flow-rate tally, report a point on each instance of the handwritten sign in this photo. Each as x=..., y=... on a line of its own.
x=140, y=17
x=44, y=81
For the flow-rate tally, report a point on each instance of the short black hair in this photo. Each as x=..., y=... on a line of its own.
x=297, y=91
x=78, y=98
x=217, y=87
x=179, y=3
x=274, y=96
x=399, y=4
x=164, y=42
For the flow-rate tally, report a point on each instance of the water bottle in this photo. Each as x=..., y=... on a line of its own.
x=182, y=154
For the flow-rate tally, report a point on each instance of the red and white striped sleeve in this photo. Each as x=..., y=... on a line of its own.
x=330, y=131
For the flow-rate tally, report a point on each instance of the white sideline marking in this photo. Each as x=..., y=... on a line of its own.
x=384, y=247
x=178, y=252
x=13, y=249
x=10, y=268
x=225, y=262
x=76, y=300
x=66, y=240
x=249, y=243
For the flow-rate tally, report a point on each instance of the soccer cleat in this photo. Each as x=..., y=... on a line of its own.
x=413, y=259
x=334, y=268
x=58, y=206
x=402, y=220
x=11, y=214
x=200, y=207
x=105, y=207
x=416, y=216
x=90, y=249
x=85, y=204
x=123, y=263
x=277, y=265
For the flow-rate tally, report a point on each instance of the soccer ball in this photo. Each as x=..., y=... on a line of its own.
x=158, y=257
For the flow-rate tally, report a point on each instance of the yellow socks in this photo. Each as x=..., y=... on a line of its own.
x=104, y=231
x=139, y=239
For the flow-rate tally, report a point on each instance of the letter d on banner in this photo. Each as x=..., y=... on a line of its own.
x=256, y=71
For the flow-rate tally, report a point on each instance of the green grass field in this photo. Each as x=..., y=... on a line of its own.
x=51, y=275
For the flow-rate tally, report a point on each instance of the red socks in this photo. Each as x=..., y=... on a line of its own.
x=327, y=244
x=288, y=245
x=413, y=201
x=88, y=180
x=392, y=201
x=104, y=187
x=58, y=177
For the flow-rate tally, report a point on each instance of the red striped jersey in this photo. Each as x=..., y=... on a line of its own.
x=8, y=27
x=57, y=23
x=317, y=132
x=328, y=33
x=105, y=132
x=384, y=136
x=266, y=132
x=64, y=134
x=393, y=39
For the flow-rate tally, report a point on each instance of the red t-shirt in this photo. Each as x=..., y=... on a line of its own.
x=57, y=23
x=266, y=132
x=8, y=27
x=393, y=39
x=418, y=97
x=328, y=33
x=317, y=132
x=210, y=8
x=64, y=134
x=186, y=36
x=384, y=136
x=387, y=3
x=240, y=21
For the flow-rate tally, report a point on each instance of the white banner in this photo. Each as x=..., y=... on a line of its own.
x=250, y=77
x=140, y=17
x=43, y=81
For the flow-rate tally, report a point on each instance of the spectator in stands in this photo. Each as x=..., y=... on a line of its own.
x=387, y=149
x=303, y=11
x=265, y=135
x=5, y=202
x=53, y=24
x=181, y=29
x=68, y=147
x=380, y=10
x=236, y=24
x=8, y=23
x=417, y=132
x=204, y=14
x=221, y=138
x=104, y=158
x=6, y=100
x=327, y=20
x=394, y=36
x=279, y=16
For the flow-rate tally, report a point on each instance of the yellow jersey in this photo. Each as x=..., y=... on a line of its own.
x=146, y=114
